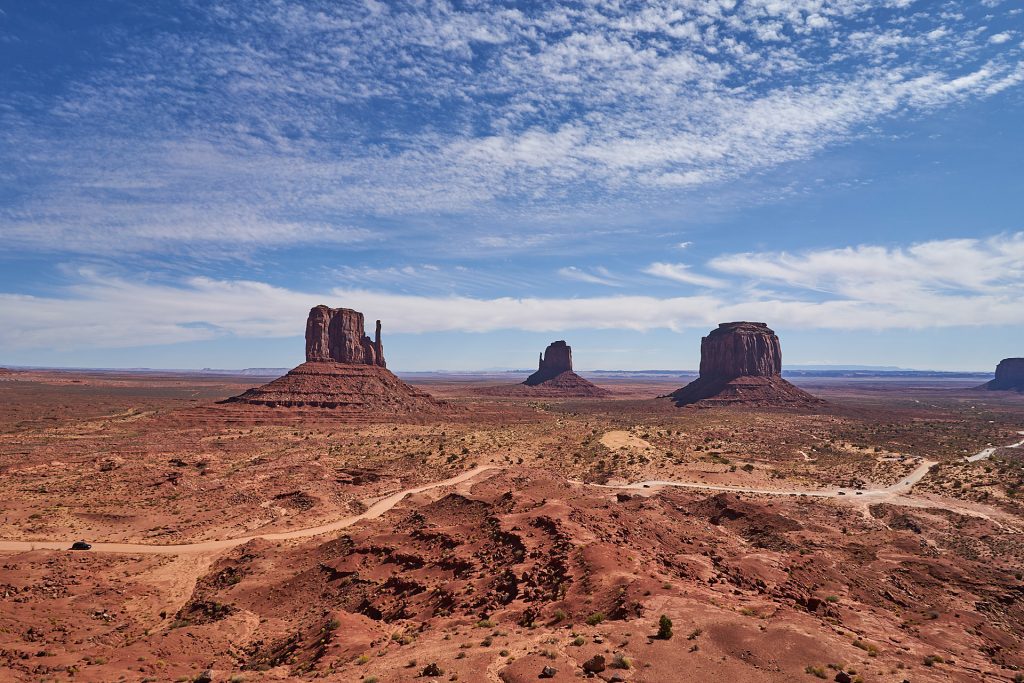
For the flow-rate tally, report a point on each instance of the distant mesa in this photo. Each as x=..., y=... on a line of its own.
x=741, y=364
x=555, y=360
x=554, y=378
x=1009, y=376
x=344, y=370
x=554, y=373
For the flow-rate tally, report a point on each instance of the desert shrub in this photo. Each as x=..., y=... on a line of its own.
x=664, y=628
x=595, y=618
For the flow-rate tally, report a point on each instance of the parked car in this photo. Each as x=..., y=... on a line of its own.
x=81, y=545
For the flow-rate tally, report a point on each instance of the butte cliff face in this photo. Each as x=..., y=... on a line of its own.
x=1009, y=376
x=555, y=360
x=741, y=349
x=336, y=334
x=555, y=377
x=741, y=363
x=344, y=371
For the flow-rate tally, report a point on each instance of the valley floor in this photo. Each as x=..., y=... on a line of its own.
x=877, y=537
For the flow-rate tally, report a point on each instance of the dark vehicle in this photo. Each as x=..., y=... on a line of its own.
x=81, y=545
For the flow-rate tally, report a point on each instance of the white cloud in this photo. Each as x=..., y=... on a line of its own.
x=315, y=117
x=680, y=272
x=934, y=284
x=599, y=276
x=991, y=266
x=513, y=242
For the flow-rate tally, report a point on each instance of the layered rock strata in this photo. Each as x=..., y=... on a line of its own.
x=741, y=363
x=555, y=376
x=344, y=370
x=556, y=359
x=336, y=334
x=1009, y=376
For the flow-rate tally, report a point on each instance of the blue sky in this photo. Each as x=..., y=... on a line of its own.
x=180, y=182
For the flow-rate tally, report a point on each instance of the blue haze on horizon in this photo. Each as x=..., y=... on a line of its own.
x=180, y=182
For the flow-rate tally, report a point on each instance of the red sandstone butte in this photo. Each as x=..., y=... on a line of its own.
x=555, y=376
x=1009, y=376
x=344, y=370
x=741, y=364
x=336, y=334
x=555, y=360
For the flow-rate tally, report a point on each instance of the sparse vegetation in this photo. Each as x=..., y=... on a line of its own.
x=664, y=628
x=816, y=671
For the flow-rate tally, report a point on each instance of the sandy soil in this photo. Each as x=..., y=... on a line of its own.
x=866, y=537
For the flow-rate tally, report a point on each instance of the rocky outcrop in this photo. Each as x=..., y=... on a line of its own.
x=741, y=363
x=345, y=387
x=344, y=371
x=555, y=360
x=741, y=349
x=337, y=334
x=1009, y=376
x=554, y=379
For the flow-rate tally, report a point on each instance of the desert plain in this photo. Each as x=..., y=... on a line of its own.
x=875, y=537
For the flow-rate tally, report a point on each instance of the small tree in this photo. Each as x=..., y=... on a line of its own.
x=664, y=627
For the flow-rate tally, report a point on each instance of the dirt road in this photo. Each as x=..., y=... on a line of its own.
x=896, y=493
x=987, y=453
x=375, y=510
x=902, y=486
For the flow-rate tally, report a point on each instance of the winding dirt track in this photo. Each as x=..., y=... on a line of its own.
x=987, y=453
x=888, y=492
x=896, y=493
x=375, y=510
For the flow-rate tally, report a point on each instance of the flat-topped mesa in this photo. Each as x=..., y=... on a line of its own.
x=741, y=363
x=1009, y=376
x=338, y=335
x=741, y=349
x=556, y=359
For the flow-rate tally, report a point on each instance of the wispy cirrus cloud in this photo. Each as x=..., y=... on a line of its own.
x=595, y=276
x=682, y=273
x=322, y=119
